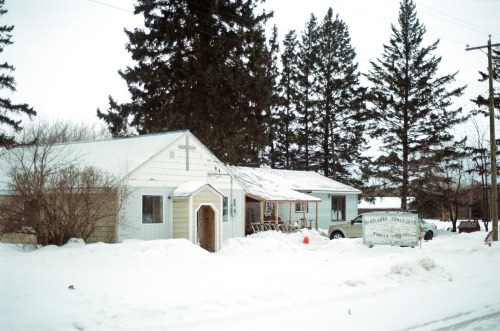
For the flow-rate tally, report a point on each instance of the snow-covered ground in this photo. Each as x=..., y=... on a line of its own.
x=268, y=281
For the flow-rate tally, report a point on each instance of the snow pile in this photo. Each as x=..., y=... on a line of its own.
x=270, y=280
x=274, y=243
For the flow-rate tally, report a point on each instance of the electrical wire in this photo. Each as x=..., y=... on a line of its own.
x=111, y=6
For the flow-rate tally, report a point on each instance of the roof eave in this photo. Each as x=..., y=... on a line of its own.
x=258, y=198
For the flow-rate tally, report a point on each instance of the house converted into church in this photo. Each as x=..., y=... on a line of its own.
x=176, y=188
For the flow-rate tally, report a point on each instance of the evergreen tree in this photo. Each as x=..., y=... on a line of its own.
x=7, y=107
x=340, y=101
x=271, y=156
x=201, y=65
x=285, y=117
x=254, y=107
x=484, y=101
x=411, y=105
x=307, y=119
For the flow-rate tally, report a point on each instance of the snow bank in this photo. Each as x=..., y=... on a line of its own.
x=269, y=280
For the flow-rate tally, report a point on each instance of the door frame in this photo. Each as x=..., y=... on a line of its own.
x=214, y=230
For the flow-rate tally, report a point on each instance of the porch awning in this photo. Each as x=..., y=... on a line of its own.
x=189, y=188
x=269, y=188
x=281, y=195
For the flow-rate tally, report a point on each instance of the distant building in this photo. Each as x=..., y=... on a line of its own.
x=383, y=204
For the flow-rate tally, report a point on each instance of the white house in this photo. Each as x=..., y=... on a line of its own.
x=298, y=197
x=176, y=188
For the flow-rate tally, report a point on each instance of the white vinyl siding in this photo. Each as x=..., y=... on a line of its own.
x=169, y=166
x=235, y=227
x=167, y=170
x=180, y=218
x=130, y=224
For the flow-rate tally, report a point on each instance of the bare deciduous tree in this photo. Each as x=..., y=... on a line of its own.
x=53, y=132
x=53, y=197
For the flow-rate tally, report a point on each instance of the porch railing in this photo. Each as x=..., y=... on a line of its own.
x=286, y=226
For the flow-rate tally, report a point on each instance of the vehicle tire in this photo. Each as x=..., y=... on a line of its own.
x=337, y=235
x=428, y=235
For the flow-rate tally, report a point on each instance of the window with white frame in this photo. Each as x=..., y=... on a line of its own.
x=152, y=209
x=300, y=207
x=338, y=208
x=269, y=211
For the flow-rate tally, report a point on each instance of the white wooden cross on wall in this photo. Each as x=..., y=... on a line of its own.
x=187, y=148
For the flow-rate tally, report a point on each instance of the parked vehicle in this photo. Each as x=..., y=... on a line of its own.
x=431, y=229
x=344, y=229
x=354, y=228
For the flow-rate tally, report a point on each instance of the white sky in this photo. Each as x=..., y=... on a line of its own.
x=67, y=52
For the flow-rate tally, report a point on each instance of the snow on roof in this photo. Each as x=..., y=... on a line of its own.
x=275, y=184
x=118, y=156
x=189, y=188
x=383, y=203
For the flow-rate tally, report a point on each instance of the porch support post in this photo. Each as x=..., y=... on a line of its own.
x=316, y=215
x=276, y=208
x=262, y=205
x=304, y=212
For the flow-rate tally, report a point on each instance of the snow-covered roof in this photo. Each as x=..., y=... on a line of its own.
x=118, y=156
x=383, y=203
x=189, y=188
x=286, y=185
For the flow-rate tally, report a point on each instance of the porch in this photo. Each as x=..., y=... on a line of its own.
x=280, y=215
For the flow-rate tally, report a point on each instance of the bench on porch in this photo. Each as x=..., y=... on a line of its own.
x=272, y=225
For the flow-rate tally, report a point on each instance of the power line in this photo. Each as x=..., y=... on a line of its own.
x=458, y=19
x=111, y=6
x=472, y=25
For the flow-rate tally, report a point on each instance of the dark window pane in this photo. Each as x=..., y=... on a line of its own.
x=152, y=209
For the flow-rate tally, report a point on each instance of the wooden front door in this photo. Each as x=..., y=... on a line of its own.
x=206, y=228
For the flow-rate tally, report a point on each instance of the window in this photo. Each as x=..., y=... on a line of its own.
x=299, y=207
x=152, y=209
x=225, y=209
x=338, y=208
x=269, y=211
x=31, y=212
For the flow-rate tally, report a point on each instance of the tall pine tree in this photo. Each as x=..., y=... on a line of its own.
x=307, y=118
x=411, y=105
x=340, y=101
x=270, y=156
x=285, y=117
x=201, y=65
x=7, y=107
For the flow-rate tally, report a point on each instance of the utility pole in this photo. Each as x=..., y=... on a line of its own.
x=494, y=207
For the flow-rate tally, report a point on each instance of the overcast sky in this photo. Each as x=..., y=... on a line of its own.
x=67, y=52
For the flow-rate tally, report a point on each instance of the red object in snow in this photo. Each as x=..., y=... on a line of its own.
x=306, y=240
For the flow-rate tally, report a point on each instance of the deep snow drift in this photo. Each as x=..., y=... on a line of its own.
x=268, y=281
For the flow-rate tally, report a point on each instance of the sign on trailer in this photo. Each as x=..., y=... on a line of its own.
x=390, y=229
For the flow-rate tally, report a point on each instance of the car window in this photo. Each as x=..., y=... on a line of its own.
x=358, y=219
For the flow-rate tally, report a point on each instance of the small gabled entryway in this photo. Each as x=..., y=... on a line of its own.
x=197, y=214
x=206, y=228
